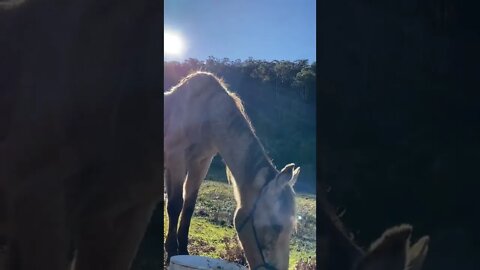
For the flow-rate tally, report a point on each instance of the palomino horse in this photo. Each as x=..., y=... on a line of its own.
x=80, y=141
x=338, y=251
x=203, y=118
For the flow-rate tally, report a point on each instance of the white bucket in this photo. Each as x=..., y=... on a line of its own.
x=187, y=262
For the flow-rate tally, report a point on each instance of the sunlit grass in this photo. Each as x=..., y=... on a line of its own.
x=212, y=225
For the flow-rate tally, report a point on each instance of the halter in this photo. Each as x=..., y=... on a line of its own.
x=250, y=216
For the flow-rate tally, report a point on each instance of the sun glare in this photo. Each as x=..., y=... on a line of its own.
x=172, y=44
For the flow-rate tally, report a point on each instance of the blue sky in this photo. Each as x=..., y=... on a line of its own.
x=238, y=29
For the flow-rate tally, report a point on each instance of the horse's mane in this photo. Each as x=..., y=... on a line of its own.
x=236, y=99
x=332, y=222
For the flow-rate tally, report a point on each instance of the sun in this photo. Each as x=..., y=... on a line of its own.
x=173, y=44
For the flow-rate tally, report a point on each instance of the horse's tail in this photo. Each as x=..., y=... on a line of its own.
x=229, y=175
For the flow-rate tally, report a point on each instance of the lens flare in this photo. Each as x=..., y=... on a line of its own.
x=173, y=44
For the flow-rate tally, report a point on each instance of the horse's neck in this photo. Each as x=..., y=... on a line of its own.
x=245, y=157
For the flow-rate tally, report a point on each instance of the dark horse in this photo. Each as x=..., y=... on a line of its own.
x=80, y=140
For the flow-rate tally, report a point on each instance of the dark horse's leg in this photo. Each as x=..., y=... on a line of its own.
x=113, y=223
x=174, y=178
x=197, y=170
x=111, y=242
x=40, y=233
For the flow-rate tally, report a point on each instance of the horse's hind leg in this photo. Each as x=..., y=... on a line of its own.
x=196, y=173
x=174, y=179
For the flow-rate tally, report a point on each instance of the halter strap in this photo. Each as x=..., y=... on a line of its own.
x=250, y=216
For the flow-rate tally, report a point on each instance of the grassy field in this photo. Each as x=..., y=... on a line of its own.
x=212, y=232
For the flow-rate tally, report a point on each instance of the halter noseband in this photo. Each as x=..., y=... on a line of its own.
x=250, y=216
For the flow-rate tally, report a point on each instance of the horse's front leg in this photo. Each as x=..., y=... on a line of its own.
x=197, y=170
x=174, y=179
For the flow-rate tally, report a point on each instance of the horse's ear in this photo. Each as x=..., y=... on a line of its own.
x=288, y=175
x=295, y=175
x=389, y=251
x=417, y=253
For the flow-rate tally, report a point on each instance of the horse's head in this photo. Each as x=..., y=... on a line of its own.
x=338, y=251
x=393, y=251
x=266, y=227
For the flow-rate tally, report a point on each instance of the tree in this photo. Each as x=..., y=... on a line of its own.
x=305, y=80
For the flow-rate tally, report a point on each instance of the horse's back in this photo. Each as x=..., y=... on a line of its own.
x=194, y=107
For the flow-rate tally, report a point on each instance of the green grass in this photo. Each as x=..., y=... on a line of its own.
x=212, y=233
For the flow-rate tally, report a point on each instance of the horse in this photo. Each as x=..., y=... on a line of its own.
x=80, y=145
x=202, y=117
x=337, y=249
